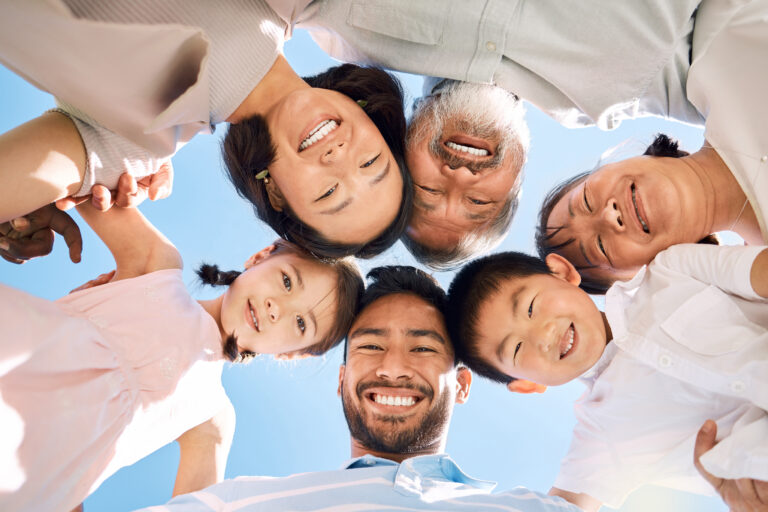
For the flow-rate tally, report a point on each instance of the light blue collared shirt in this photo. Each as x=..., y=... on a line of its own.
x=427, y=482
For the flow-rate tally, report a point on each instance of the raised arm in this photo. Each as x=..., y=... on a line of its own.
x=40, y=161
x=203, y=452
x=137, y=246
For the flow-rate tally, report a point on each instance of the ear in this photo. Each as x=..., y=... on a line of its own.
x=563, y=269
x=259, y=256
x=276, y=198
x=292, y=356
x=525, y=387
x=341, y=378
x=463, y=383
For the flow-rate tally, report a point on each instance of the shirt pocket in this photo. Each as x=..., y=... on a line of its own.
x=711, y=324
x=410, y=20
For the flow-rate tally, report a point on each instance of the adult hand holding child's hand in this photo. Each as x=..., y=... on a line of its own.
x=742, y=495
x=28, y=237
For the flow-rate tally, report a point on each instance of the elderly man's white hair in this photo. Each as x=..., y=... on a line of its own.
x=480, y=110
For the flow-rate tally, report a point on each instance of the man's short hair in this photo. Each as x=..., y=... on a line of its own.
x=472, y=286
x=393, y=279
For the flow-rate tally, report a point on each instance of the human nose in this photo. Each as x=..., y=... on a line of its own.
x=611, y=215
x=544, y=336
x=394, y=366
x=273, y=310
x=334, y=152
x=461, y=175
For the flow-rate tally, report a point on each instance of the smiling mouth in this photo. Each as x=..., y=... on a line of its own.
x=254, y=318
x=566, y=342
x=403, y=403
x=637, y=211
x=318, y=133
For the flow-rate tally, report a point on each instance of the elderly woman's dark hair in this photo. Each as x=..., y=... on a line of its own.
x=349, y=290
x=662, y=145
x=248, y=149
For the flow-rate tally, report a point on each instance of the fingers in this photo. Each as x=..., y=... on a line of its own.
x=705, y=441
x=101, y=198
x=747, y=494
x=130, y=193
x=102, y=279
x=63, y=224
x=19, y=250
x=70, y=202
x=161, y=182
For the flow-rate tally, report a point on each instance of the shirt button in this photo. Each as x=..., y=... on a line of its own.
x=490, y=46
x=665, y=361
x=764, y=158
x=738, y=386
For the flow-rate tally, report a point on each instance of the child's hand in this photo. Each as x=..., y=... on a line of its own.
x=31, y=236
x=102, y=279
x=129, y=194
x=742, y=495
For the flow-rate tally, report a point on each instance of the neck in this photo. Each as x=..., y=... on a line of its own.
x=280, y=81
x=726, y=206
x=358, y=450
x=608, y=332
x=213, y=308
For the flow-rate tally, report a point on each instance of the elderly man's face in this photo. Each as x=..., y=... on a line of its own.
x=465, y=157
x=399, y=383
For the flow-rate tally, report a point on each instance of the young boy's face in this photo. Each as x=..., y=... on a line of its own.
x=541, y=328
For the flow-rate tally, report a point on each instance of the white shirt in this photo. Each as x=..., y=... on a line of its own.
x=690, y=343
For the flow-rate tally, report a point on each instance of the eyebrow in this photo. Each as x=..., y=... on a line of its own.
x=381, y=175
x=501, y=347
x=429, y=333
x=516, y=297
x=337, y=209
x=298, y=275
x=313, y=320
x=584, y=254
x=418, y=202
x=371, y=331
x=476, y=216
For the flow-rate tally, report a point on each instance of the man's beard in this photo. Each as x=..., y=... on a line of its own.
x=483, y=111
x=392, y=436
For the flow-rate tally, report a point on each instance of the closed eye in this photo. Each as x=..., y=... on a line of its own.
x=530, y=308
x=427, y=189
x=370, y=162
x=586, y=203
x=369, y=347
x=517, y=349
x=478, y=201
x=287, y=282
x=301, y=324
x=424, y=349
x=328, y=193
x=600, y=246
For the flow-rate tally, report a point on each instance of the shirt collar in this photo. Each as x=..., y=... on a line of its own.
x=429, y=477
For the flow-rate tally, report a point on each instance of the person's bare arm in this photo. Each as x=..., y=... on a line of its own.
x=742, y=495
x=31, y=236
x=203, y=452
x=758, y=276
x=40, y=161
x=137, y=246
x=581, y=500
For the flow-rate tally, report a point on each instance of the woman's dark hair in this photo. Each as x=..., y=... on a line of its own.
x=248, y=149
x=662, y=145
x=473, y=285
x=349, y=290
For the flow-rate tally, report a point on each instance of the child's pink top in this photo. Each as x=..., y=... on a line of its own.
x=96, y=381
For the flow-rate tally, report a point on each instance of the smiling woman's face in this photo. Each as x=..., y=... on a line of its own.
x=622, y=215
x=333, y=168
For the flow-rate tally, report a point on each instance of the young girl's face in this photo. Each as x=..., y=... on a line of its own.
x=281, y=304
x=540, y=328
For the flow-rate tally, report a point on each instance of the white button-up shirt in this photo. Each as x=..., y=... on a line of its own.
x=690, y=342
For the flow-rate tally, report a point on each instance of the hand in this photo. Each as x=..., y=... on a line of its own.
x=742, y=495
x=31, y=236
x=102, y=279
x=130, y=193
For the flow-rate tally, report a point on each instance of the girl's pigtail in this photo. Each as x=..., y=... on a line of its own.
x=233, y=355
x=210, y=274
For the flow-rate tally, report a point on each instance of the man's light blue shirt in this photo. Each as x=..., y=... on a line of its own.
x=427, y=482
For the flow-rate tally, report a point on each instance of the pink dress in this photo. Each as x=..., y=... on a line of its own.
x=96, y=381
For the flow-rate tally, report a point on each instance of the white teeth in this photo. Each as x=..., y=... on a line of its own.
x=467, y=149
x=394, y=400
x=570, y=342
x=253, y=317
x=637, y=212
x=318, y=132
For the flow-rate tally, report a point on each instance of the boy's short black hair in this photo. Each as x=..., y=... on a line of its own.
x=472, y=286
x=392, y=279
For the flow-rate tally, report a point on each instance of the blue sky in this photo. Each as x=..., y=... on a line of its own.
x=289, y=418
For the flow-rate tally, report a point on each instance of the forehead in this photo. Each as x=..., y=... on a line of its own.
x=401, y=311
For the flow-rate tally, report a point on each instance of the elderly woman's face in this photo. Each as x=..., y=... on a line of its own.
x=333, y=168
x=622, y=215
